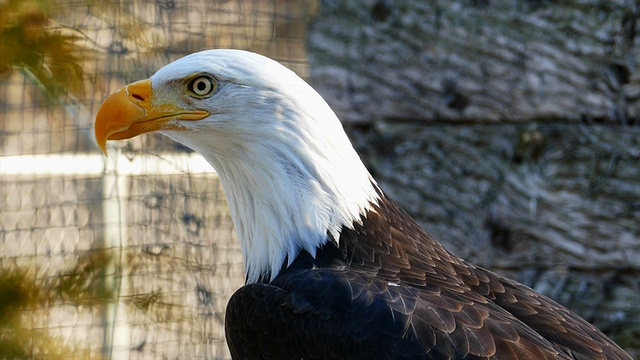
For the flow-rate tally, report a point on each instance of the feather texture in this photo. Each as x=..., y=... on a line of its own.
x=365, y=299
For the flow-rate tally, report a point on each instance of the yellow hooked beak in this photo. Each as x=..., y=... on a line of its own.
x=132, y=111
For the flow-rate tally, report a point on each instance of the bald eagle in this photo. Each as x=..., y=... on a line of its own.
x=334, y=268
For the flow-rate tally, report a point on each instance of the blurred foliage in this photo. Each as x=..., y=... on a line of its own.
x=23, y=295
x=46, y=53
x=36, y=41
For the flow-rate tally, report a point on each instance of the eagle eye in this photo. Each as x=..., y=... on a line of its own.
x=202, y=86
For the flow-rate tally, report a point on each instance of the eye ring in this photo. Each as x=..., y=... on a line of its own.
x=202, y=86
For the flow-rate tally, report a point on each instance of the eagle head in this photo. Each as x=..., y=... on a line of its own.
x=290, y=174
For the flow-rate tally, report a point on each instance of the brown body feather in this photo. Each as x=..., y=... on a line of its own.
x=390, y=291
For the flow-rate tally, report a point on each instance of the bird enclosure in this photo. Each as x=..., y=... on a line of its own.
x=509, y=131
x=131, y=255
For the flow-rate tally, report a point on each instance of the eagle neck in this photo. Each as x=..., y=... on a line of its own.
x=283, y=207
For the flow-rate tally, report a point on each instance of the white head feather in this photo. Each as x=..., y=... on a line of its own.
x=290, y=174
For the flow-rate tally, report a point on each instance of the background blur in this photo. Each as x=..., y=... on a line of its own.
x=508, y=129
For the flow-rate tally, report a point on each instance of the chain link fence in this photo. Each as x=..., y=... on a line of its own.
x=131, y=256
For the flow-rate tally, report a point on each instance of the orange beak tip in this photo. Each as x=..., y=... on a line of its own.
x=103, y=147
x=101, y=139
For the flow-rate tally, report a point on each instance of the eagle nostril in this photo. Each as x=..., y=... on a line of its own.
x=137, y=97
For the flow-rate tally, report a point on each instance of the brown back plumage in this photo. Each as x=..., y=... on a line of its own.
x=391, y=292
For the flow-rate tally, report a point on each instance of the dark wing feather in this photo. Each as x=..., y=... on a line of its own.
x=317, y=318
x=329, y=314
x=540, y=316
x=389, y=291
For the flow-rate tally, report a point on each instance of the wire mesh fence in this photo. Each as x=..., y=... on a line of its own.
x=131, y=256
